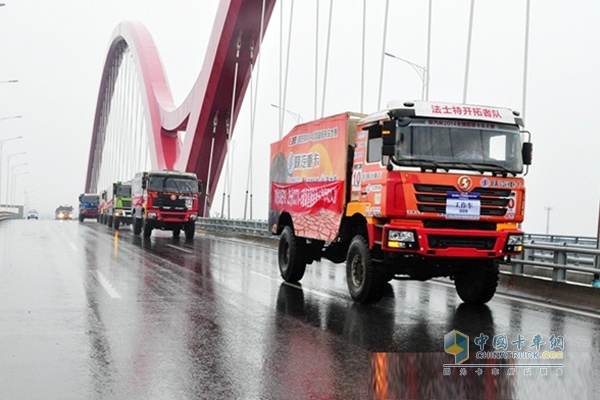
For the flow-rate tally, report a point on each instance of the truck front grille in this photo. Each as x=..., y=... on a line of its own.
x=432, y=199
x=444, y=242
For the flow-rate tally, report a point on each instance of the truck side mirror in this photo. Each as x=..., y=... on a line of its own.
x=200, y=187
x=114, y=188
x=388, y=135
x=80, y=197
x=527, y=153
x=144, y=181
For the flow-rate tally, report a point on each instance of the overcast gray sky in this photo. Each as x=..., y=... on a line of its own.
x=57, y=49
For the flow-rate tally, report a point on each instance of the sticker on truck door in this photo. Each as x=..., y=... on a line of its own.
x=463, y=205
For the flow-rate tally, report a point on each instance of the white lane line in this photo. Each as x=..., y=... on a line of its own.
x=303, y=288
x=178, y=248
x=105, y=284
x=532, y=302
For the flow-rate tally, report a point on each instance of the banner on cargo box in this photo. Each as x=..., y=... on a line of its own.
x=307, y=197
x=311, y=152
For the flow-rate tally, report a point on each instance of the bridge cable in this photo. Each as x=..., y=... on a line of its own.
x=210, y=160
x=253, y=102
x=362, y=66
x=287, y=68
x=316, y=59
x=228, y=160
x=385, y=22
x=326, y=57
x=468, y=61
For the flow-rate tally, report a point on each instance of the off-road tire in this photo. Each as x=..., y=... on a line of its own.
x=363, y=275
x=477, y=280
x=292, y=261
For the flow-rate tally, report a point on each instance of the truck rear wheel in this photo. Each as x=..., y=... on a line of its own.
x=477, y=282
x=292, y=263
x=365, y=281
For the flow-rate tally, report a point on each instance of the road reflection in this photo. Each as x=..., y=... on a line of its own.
x=405, y=360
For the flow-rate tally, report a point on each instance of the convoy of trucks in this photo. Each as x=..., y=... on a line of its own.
x=416, y=191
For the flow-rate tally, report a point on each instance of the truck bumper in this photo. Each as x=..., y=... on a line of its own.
x=170, y=220
x=451, y=242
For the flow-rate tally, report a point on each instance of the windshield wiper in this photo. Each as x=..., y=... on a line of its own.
x=483, y=167
x=496, y=167
x=433, y=164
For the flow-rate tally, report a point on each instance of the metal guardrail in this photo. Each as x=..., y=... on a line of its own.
x=4, y=215
x=559, y=257
x=253, y=228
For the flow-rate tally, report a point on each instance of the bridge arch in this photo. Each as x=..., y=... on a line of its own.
x=209, y=111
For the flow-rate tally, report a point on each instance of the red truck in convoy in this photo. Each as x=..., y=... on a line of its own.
x=415, y=191
x=166, y=200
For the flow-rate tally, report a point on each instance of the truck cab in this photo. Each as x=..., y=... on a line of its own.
x=115, y=205
x=166, y=200
x=88, y=206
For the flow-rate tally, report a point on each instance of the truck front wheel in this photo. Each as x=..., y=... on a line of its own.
x=292, y=263
x=365, y=281
x=190, y=230
x=137, y=226
x=147, y=228
x=116, y=223
x=477, y=281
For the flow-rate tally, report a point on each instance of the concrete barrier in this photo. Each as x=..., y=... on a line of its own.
x=563, y=294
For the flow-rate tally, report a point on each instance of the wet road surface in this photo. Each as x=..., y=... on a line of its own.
x=88, y=313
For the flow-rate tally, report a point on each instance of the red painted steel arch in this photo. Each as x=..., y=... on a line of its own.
x=237, y=21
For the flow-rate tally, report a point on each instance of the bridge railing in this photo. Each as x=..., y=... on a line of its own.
x=568, y=259
x=4, y=215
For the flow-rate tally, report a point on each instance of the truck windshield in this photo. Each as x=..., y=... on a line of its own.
x=459, y=144
x=123, y=191
x=90, y=199
x=173, y=184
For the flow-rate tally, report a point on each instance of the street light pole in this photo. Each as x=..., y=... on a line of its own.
x=8, y=170
x=421, y=71
x=1, y=145
x=14, y=184
x=296, y=116
x=548, y=209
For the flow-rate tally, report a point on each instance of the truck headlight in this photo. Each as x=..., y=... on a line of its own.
x=193, y=217
x=514, y=240
x=401, y=236
x=514, y=243
x=152, y=215
x=401, y=239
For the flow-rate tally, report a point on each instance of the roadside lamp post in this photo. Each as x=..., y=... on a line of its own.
x=10, y=156
x=13, y=194
x=296, y=116
x=421, y=71
x=1, y=145
x=11, y=189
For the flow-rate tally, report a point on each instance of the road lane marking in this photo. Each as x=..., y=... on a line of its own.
x=303, y=288
x=178, y=248
x=105, y=284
